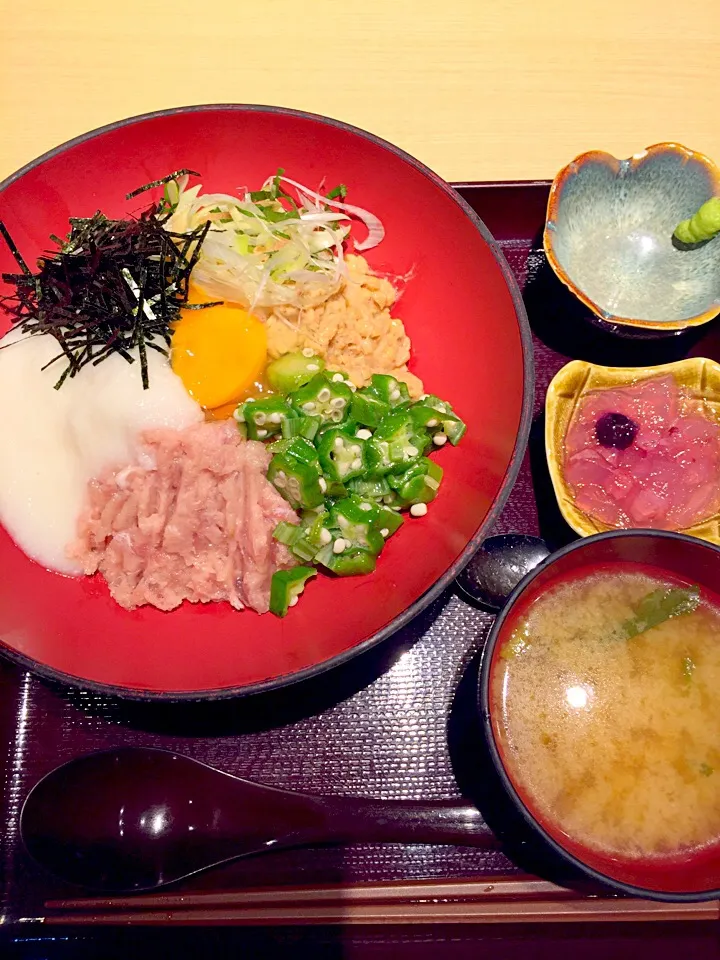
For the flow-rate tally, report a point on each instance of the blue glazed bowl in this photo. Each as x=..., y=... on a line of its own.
x=608, y=237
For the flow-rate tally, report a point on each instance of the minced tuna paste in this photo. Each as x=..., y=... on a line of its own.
x=191, y=518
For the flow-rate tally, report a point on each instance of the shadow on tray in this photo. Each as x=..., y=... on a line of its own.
x=261, y=711
x=552, y=526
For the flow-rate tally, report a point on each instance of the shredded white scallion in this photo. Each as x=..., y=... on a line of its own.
x=269, y=248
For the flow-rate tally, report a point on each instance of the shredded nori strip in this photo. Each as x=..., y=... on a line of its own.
x=161, y=182
x=13, y=249
x=113, y=286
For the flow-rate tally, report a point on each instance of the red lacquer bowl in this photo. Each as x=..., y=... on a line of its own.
x=685, y=876
x=471, y=344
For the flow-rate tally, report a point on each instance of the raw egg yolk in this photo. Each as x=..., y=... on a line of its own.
x=219, y=352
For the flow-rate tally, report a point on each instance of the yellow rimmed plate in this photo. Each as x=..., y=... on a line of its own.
x=698, y=375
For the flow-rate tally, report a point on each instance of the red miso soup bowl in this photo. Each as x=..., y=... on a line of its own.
x=675, y=877
x=471, y=344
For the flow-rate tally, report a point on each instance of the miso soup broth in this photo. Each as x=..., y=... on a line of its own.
x=606, y=697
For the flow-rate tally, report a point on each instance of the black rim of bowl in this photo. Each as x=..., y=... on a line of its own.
x=489, y=736
x=511, y=473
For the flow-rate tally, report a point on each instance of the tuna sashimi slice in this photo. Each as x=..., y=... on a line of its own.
x=668, y=477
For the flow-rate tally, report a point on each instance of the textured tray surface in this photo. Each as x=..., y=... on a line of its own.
x=378, y=727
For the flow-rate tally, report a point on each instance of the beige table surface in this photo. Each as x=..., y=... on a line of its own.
x=478, y=89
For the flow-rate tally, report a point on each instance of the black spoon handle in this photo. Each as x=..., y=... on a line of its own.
x=406, y=821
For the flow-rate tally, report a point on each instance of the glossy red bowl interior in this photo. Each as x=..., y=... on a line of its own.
x=694, y=876
x=471, y=345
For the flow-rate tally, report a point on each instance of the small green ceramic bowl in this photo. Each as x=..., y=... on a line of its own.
x=608, y=237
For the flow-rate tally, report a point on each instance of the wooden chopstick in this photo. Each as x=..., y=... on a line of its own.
x=538, y=911
x=388, y=892
x=469, y=901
